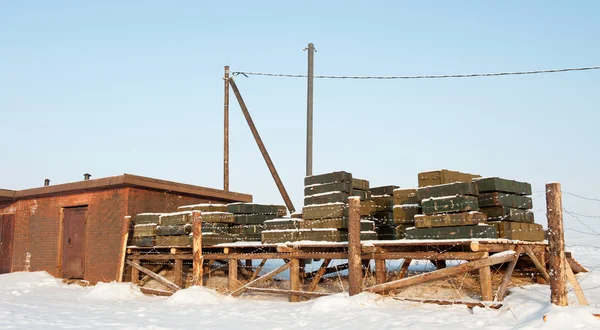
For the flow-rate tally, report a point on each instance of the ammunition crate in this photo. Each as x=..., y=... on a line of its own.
x=405, y=214
x=173, y=230
x=448, y=189
x=506, y=200
x=328, y=187
x=222, y=217
x=449, y=204
x=144, y=230
x=406, y=196
x=279, y=236
x=450, y=219
x=173, y=219
x=146, y=241
x=253, y=219
x=383, y=190
x=360, y=184
x=325, y=211
x=146, y=218
x=278, y=224
x=500, y=213
x=328, y=178
x=334, y=197
x=204, y=208
x=461, y=232
x=503, y=185
x=433, y=178
x=249, y=208
x=322, y=234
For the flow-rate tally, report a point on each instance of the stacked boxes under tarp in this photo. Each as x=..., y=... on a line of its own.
x=507, y=205
x=450, y=211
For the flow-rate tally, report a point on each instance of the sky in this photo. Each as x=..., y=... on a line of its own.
x=112, y=87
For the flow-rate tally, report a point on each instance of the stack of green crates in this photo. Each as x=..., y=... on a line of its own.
x=450, y=211
x=507, y=206
x=384, y=216
x=144, y=229
x=249, y=219
x=216, y=222
x=406, y=206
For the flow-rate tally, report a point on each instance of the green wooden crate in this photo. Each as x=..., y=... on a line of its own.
x=173, y=230
x=276, y=224
x=165, y=241
x=204, y=207
x=338, y=223
x=364, y=195
x=335, y=197
x=146, y=218
x=503, y=185
x=401, y=231
x=328, y=187
x=248, y=237
x=383, y=190
x=250, y=208
x=370, y=235
x=386, y=233
x=449, y=189
x=444, y=176
x=405, y=214
x=507, y=200
x=209, y=239
x=340, y=176
x=449, y=204
x=406, y=196
x=325, y=211
x=279, y=236
x=384, y=218
x=461, y=232
x=360, y=184
x=449, y=219
x=500, y=213
x=215, y=227
x=253, y=219
x=321, y=235
x=144, y=230
x=246, y=229
x=367, y=208
x=173, y=219
x=384, y=203
x=146, y=241
x=222, y=217
x=519, y=230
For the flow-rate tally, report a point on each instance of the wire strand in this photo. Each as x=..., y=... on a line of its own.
x=468, y=75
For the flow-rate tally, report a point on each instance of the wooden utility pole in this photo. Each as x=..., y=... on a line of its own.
x=309, y=109
x=197, y=270
x=354, y=248
x=226, y=131
x=556, y=244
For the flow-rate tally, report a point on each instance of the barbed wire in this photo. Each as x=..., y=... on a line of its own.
x=581, y=197
x=467, y=75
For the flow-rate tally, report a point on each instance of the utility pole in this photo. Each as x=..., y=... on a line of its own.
x=226, y=131
x=309, y=109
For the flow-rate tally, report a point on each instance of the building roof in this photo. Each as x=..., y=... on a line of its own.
x=125, y=180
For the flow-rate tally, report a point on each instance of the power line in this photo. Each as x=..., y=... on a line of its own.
x=467, y=75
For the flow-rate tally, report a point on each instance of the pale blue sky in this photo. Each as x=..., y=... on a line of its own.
x=108, y=87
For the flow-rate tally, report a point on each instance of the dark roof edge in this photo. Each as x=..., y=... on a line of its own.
x=129, y=180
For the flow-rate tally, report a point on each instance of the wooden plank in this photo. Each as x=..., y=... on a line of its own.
x=232, y=281
x=317, y=277
x=294, y=279
x=156, y=292
x=258, y=269
x=135, y=273
x=507, y=275
x=485, y=282
x=156, y=269
x=329, y=270
x=123, y=251
x=354, y=248
x=380, y=272
x=426, y=277
x=290, y=292
x=447, y=302
x=404, y=269
x=576, y=267
x=197, y=269
x=178, y=273
x=576, y=286
x=262, y=278
x=155, y=276
x=537, y=263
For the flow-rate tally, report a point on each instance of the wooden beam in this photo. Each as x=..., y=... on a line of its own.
x=355, y=274
x=428, y=255
x=485, y=281
x=155, y=276
x=233, y=275
x=290, y=292
x=178, y=273
x=123, y=251
x=135, y=272
x=556, y=244
x=156, y=269
x=380, y=272
x=576, y=286
x=329, y=270
x=156, y=292
x=197, y=269
x=447, y=302
x=257, y=271
x=294, y=279
x=262, y=278
x=537, y=263
x=404, y=269
x=576, y=267
x=317, y=277
x=507, y=275
x=426, y=277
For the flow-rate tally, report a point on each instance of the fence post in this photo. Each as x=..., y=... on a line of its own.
x=354, y=248
x=197, y=269
x=556, y=244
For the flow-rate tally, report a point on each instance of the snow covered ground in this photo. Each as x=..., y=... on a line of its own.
x=39, y=301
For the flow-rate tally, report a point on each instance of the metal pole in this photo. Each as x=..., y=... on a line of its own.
x=309, y=110
x=226, y=132
x=261, y=146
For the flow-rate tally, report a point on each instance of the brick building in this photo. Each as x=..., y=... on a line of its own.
x=75, y=230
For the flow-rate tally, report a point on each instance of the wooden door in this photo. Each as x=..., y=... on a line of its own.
x=7, y=229
x=73, y=246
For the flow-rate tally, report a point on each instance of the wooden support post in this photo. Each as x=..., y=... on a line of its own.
x=318, y=275
x=508, y=275
x=123, y=252
x=485, y=281
x=294, y=279
x=197, y=269
x=354, y=249
x=258, y=269
x=380, y=272
x=537, y=263
x=576, y=286
x=155, y=276
x=556, y=244
x=135, y=272
x=542, y=259
x=450, y=271
x=404, y=269
x=262, y=278
x=233, y=275
x=178, y=273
